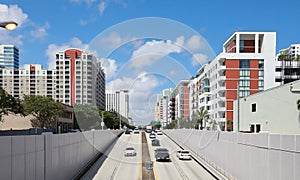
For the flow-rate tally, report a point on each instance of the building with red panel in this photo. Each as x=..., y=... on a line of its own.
x=246, y=66
x=80, y=78
x=180, y=99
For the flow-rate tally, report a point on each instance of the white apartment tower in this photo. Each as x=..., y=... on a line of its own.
x=246, y=66
x=9, y=56
x=288, y=64
x=118, y=100
x=80, y=78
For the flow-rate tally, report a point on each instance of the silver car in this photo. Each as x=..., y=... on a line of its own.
x=129, y=151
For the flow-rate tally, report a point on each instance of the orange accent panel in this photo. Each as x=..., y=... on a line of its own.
x=229, y=115
x=232, y=63
x=253, y=63
x=231, y=94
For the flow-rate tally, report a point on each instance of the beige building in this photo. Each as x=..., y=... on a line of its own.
x=32, y=80
x=274, y=110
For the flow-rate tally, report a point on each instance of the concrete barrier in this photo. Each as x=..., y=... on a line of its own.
x=242, y=155
x=58, y=156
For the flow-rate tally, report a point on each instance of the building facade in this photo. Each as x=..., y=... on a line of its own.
x=276, y=110
x=9, y=56
x=179, y=101
x=246, y=66
x=32, y=80
x=162, y=107
x=79, y=79
x=288, y=64
x=118, y=100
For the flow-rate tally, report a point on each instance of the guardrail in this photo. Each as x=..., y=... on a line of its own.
x=242, y=155
x=58, y=156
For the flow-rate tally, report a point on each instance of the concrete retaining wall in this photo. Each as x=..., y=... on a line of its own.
x=58, y=156
x=244, y=156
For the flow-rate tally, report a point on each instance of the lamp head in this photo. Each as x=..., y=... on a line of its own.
x=9, y=25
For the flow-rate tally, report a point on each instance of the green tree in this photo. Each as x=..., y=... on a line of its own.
x=203, y=114
x=87, y=116
x=9, y=104
x=44, y=109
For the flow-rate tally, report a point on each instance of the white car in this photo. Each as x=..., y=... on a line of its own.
x=129, y=151
x=159, y=132
x=184, y=154
x=136, y=131
x=152, y=136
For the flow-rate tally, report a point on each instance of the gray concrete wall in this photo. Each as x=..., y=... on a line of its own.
x=58, y=156
x=244, y=156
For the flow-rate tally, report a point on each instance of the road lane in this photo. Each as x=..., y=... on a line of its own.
x=177, y=169
x=116, y=166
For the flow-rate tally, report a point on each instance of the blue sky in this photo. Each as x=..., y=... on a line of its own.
x=46, y=27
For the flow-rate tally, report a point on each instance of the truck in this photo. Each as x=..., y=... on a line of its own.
x=148, y=129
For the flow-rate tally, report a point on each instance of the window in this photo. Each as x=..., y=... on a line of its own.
x=253, y=107
x=244, y=63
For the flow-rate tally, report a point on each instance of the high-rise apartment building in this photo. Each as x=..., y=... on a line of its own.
x=288, y=64
x=118, y=100
x=79, y=79
x=162, y=107
x=32, y=80
x=9, y=56
x=246, y=66
x=179, y=101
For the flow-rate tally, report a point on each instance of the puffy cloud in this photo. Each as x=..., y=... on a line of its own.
x=102, y=6
x=194, y=43
x=12, y=13
x=40, y=32
x=53, y=49
x=153, y=51
x=140, y=94
x=199, y=59
x=110, y=67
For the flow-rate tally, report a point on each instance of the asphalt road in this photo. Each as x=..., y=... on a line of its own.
x=176, y=169
x=114, y=166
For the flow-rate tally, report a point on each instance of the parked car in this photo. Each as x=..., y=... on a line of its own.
x=161, y=154
x=129, y=151
x=184, y=154
x=152, y=135
x=155, y=142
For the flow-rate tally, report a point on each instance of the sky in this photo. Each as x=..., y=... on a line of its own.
x=145, y=45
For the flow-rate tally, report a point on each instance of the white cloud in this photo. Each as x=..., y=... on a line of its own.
x=110, y=67
x=153, y=51
x=140, y=94
x=40, y=32
x=12, y=13
x=102, y=7
x=194, y=43
x=199, y=59
x=53, y=49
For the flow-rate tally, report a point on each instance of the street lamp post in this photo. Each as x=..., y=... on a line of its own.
x=9, y=25
x=102, y=123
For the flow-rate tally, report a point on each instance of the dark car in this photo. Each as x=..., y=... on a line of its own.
x=127, y=131
x=162, y=154
x=155, y=142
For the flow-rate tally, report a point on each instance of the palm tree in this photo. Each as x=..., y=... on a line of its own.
x=202, y=115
